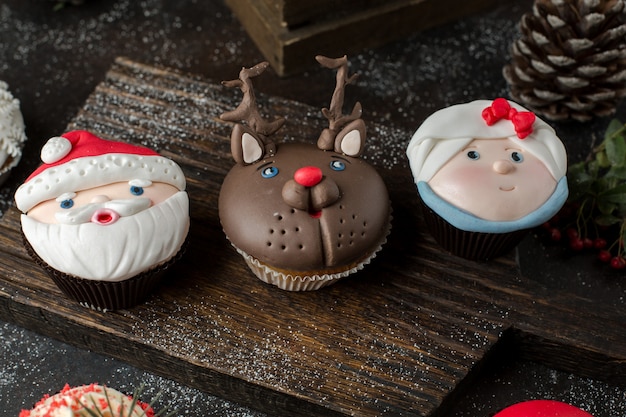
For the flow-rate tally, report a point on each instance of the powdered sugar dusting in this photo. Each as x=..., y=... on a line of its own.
x=38, y=365
x=434, y=69
x=161, y=33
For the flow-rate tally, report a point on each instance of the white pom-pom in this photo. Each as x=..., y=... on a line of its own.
x=55, y=149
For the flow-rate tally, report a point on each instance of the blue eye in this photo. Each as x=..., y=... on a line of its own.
x=337, y=165
x=517, y=157
x=135, y=190
x=269, y=172
x=67, y=204
x=473, y=155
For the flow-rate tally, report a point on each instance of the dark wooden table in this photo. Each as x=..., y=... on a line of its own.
x=410, y=335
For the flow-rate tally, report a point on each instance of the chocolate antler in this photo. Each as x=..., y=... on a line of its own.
x=337, y=120
x=248, y=110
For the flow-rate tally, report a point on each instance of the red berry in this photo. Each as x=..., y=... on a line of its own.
x=617, y=262
x=571, y=233
x=587, y=243
x=576, y=244
x=547, y=225
x=599, y=243
x=555, y=234
x=604, y=255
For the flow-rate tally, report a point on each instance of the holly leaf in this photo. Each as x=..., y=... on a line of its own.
x=576, y=170
x=579, y=181
x=607, y=220
x=617, y=172
x=615, y=198
x=614, y=195
x=579, y=191
x=616, y=150
x=613, y=128
x=618, y=189
x=593, y=169
x=601, y=185
x=602, y=159
x=606, y=207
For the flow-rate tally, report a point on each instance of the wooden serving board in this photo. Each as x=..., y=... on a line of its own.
x=401, y=337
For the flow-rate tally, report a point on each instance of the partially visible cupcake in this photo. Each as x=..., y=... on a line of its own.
x=87, y=401
x=12, y=132
x=486, y=173
x=104, y=218
x=542, y=408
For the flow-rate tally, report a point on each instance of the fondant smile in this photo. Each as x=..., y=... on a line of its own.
x=506, y=188
x=105, y=216
x=316, y=214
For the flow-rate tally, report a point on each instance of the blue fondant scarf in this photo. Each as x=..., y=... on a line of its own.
x=465, y=221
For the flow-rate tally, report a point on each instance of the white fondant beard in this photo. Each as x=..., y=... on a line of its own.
x=115, y=252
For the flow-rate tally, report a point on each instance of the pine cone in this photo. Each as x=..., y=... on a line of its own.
x=570, y=62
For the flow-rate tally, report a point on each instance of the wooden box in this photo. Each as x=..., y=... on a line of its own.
x=289, y=33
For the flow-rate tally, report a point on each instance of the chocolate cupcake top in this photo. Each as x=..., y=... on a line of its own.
x=304, y=208
x=298, y=206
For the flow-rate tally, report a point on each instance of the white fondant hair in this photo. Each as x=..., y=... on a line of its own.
x=448, y=131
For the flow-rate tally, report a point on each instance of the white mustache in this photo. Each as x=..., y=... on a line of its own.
x=84, y=213
x=129, y=246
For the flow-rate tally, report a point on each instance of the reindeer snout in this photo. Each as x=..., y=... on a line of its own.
x=310, y=190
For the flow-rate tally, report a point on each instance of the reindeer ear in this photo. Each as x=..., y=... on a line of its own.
x=245, y=145
x=351, y=139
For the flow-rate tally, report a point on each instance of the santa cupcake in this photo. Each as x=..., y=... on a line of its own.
x=487, y=172
x=103, y=218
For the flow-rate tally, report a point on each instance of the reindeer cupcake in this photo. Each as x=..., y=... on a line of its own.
x=302, y=215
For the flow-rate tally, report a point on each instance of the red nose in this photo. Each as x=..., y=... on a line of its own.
x=308, y=176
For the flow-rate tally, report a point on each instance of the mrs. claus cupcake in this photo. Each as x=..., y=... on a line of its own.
x=487, y=172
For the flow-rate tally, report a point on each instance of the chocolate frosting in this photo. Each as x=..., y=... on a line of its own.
x=266, y=213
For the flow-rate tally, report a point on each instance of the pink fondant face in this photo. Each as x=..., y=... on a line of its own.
x=98, y=203
x=494, y=179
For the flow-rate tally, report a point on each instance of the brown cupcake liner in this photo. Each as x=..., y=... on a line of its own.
x=106, y=295
x=475, y=246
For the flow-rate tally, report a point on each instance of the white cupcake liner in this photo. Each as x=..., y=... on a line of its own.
x=296, y=282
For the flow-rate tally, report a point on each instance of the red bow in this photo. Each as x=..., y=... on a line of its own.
x=501, y=109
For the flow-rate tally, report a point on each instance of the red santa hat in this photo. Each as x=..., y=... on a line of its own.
x=79, y=160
